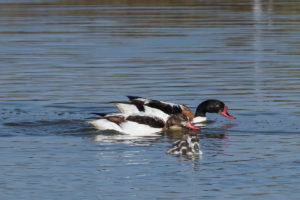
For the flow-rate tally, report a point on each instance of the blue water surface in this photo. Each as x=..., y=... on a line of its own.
x=62, y=60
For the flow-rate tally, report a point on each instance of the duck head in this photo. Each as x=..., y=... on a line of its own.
x=180, y=120
x=213, y=106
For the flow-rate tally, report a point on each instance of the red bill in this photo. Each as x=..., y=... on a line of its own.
x=226, y=114
x=191, y=126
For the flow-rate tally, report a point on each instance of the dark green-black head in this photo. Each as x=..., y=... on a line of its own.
x=212, y=106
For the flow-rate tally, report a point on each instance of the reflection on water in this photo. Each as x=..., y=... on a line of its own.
x=127, y=139
x=62, y=60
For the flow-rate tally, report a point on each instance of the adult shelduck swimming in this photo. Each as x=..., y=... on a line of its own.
x=140, y=124
x=165, y=109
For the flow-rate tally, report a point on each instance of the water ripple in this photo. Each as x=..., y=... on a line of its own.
x=61, y=61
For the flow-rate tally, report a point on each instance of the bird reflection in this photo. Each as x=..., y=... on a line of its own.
x=218, y=132
x=115, y=137
x=183, y=142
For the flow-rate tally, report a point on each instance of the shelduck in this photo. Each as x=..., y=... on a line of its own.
x=163, y=109
x=140, y=124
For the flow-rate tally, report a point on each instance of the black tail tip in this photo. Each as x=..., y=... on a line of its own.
x=100, y=114
x=133, y=97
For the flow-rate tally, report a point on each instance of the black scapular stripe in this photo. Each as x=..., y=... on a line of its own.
x=151, y=121
x=139, y=105
x=166, y=108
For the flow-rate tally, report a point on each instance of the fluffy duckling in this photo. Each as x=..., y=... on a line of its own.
x=188, y=146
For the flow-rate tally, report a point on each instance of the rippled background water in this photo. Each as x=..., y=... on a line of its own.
x=61, y=60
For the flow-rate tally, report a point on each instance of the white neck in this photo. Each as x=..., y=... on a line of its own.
x=199, y=119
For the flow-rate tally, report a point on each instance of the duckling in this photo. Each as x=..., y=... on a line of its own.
x=188, y=146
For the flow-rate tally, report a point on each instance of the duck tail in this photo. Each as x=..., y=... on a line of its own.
x=133, y=97
x=100, y=114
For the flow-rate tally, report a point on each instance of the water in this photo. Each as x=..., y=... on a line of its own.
x=62, y=60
